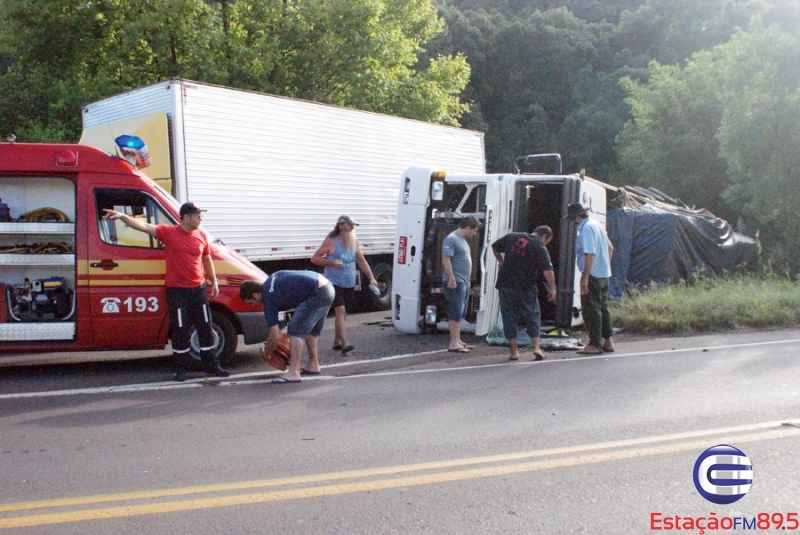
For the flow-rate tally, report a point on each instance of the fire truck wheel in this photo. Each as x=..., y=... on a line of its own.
x=225, y=339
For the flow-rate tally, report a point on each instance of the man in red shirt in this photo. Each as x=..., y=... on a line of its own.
x=188, y=264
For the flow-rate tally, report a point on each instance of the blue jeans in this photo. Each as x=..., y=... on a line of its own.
x=456, y=300
x=309, y=316
x=516, y=304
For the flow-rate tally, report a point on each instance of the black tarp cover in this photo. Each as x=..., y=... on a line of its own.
x=656, y=240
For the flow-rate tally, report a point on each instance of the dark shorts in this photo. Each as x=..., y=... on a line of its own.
x=456, y=301
x=516, y=305
x=309, y=316
x=343, y=297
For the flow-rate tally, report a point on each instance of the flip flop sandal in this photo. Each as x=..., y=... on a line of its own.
x=284, y=380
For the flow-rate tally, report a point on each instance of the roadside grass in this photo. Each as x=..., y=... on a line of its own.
x=709, y=305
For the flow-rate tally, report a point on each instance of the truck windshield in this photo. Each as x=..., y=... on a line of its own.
x=463, y=199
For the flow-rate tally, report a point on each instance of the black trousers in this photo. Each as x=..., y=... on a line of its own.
x=188, y=307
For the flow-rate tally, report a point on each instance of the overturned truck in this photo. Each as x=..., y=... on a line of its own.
x=655, y=239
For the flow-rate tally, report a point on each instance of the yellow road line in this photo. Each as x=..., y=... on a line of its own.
x=379, y=484
x=371, y=472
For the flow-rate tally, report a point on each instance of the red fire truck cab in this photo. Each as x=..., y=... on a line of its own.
x=72, y=281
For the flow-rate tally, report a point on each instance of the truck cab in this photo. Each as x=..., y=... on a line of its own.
x=431, y=204
x=72, y=281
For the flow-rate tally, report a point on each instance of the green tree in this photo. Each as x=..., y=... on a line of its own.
x=545, y=72
x=356, y=53
x=65, y=53
x=722, y=132
x=525, y=76
x=759, y=137
x=670, y=142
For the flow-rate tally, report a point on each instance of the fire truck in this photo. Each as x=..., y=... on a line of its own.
x=72, y=281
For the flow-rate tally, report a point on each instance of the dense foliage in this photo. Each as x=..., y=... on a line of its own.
x=545, y=73
x=721, y=131
x=698, y=98
x=61, y=54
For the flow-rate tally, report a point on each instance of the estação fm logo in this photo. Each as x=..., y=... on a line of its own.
x=723, y=474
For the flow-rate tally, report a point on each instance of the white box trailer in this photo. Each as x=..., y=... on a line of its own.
x=276, y=173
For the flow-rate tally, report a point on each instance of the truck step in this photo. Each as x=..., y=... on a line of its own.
x=20, y=332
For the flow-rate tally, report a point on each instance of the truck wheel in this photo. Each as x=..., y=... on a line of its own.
x=383, y=274
x=225, y=339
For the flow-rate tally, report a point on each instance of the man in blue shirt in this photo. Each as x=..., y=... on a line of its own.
x=310, y=295
x=593, y=251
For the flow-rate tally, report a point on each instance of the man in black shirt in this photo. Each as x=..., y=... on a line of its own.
x=520, y=256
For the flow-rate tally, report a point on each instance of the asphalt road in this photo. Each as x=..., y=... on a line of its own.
x=371, y=333
x=405, y=441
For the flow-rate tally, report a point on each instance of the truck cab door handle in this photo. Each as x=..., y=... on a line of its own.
x=105, y=264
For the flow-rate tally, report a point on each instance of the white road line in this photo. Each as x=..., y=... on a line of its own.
x=262, y=377
x=384, y=359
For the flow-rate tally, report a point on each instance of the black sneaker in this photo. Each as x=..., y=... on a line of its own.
x=179, y=376
x=217, y=371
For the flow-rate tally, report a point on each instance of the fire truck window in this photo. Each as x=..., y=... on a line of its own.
x=136, y=204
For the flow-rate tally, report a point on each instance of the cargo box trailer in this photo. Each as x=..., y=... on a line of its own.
x=276, y=173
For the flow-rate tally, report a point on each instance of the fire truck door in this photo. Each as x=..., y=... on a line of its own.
x=126, y=273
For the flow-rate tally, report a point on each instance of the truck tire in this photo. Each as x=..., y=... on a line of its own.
x=383, y=274
x=225, y=339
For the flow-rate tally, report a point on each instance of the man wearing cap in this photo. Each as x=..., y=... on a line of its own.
x=339, y=254
x=188, y=265
x=593, y=250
